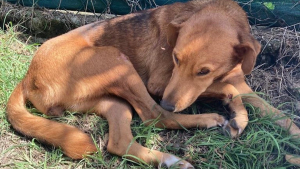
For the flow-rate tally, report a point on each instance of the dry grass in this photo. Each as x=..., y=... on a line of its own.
x=277, y=73
x=42, y=23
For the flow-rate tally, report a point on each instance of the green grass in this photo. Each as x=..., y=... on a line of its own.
x=262, y=145
x=14, y=59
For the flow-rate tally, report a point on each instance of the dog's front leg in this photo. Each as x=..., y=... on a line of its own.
x=267, y=109
x=121, y=142
x=231, y=97
x=131, y=88
x=149, y=111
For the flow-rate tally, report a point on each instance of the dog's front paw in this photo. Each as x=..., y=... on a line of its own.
x=216, y=120
x=235, y=126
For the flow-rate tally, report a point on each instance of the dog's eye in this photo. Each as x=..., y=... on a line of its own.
x=203, y=71
x=175, y=58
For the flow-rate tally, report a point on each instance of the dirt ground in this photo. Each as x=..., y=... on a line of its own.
x=277, y=72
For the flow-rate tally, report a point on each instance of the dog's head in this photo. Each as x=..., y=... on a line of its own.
x=206, y=47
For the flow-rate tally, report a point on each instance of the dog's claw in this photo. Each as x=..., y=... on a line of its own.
x=217, y=120
x=185, y=165
x=223, y=124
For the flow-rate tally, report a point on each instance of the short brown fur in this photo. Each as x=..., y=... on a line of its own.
x=179, y=52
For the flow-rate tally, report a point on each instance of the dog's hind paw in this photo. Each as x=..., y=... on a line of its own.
x=172, y=161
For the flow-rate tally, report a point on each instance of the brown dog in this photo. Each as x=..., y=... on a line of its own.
x=180, y=52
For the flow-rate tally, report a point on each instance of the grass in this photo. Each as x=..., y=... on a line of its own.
x=262, y=145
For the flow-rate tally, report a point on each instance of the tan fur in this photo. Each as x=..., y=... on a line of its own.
x=105, y=66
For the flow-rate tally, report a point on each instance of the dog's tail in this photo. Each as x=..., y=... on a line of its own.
x=71, y=140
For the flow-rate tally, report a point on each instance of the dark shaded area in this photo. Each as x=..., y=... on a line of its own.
x=44, y=28
x=41, y=22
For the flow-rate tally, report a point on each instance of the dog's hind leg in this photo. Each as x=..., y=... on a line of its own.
x=121, y=142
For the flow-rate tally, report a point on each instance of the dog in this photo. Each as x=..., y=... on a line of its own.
x=179, y=52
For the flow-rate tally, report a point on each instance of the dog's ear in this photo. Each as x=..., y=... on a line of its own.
x=247, y=51
x=175, y=25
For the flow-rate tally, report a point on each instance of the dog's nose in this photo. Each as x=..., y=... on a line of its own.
x=167, y=106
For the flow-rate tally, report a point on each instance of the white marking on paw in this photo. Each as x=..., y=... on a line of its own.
x=170, y=160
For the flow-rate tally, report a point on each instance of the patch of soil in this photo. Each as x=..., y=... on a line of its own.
x=277, y=72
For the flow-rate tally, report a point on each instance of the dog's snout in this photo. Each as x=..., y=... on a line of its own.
x=167, y=106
